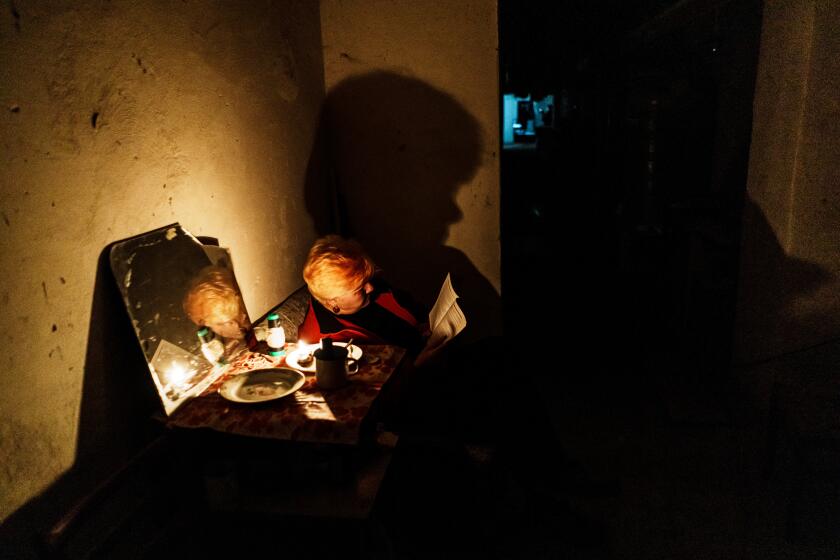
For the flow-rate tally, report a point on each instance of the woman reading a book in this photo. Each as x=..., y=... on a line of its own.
x=350, y=301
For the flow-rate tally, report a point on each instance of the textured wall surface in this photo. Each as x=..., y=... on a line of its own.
x=789, y=295
x=117, y=118
x=416, y=83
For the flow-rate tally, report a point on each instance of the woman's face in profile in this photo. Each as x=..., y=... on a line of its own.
x=227, y=328
x=350, y=302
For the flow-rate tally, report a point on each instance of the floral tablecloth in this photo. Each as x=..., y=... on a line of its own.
x=309, y=414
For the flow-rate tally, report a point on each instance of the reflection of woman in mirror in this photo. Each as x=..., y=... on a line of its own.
x=350, y=301
x=213, y=300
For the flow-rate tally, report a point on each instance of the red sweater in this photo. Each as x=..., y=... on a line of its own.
x=384, y=320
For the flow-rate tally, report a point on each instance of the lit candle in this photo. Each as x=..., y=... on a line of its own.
x=304, y=353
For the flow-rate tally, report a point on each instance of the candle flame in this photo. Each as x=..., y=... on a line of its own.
x=177, y=375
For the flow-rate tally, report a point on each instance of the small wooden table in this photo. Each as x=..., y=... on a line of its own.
x=313, y=453
x=310, y=415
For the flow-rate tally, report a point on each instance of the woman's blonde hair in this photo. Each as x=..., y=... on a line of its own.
x=214, y=295
x=336, y=266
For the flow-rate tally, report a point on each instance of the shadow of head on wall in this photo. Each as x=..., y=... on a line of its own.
x=399, y=150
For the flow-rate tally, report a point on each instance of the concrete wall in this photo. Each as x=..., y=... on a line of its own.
x=787, y=335
x=117, y=118
x=789, y=296
x=412, y=119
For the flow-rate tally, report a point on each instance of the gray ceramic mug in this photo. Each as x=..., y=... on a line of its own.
x=332, y=372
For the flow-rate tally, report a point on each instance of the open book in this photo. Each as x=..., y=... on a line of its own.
x=446, y=319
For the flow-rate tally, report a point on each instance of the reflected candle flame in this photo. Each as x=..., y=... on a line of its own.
x=177, y=375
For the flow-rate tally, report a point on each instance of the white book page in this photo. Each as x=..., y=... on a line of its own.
x=446, y=318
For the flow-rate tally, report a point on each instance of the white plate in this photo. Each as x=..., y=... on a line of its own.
x=262, y=385
x=293, y=356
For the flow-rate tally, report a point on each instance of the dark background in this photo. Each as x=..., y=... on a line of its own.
x=635, y=195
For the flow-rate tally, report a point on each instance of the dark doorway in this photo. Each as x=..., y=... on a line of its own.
x=633, y=189
x=620, y=242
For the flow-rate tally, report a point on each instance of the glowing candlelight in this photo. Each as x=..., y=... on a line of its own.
x=304, y=353
x=177, y=375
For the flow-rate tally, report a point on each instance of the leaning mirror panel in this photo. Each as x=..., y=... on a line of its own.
x=186, y=308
